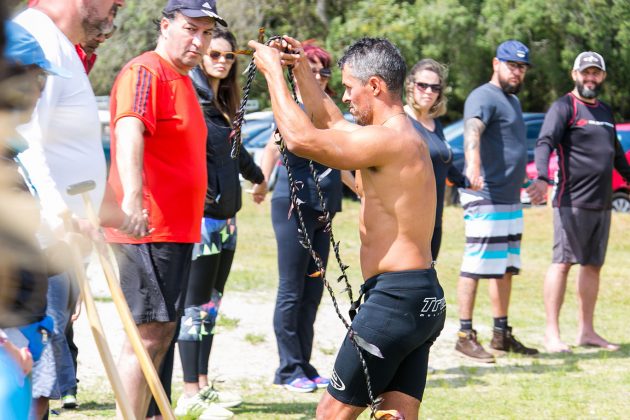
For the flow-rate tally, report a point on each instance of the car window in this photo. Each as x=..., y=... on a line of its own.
x=533, y=130
x=624, y=139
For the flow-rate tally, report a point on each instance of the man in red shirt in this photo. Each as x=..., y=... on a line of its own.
x=158, y=176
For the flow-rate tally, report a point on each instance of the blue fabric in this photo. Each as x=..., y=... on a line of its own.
x=15, y=389
x=37, y=335
x=59, y=368
x=503, y=145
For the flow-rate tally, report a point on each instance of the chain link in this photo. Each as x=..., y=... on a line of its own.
x=303, y=238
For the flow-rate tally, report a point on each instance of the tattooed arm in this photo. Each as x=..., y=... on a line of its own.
x=473, y=129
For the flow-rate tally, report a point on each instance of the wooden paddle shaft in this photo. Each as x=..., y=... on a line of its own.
x=146, y=364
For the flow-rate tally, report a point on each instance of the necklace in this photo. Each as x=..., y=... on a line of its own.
x=392, y=116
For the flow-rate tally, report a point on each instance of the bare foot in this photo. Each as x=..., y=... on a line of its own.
x=556, y=346
x=595, y=340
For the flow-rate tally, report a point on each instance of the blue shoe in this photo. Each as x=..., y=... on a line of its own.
x=302, y=384
x=320, y=381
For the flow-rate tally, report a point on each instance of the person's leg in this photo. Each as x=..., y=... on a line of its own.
x=331, y=409
x=554, y=290
x=466, y=294
x=203, y=274
x=156, y=338
x=226, y=257
x=587, y=290
x=500, y=290
x=312, y=296
x=292, y=264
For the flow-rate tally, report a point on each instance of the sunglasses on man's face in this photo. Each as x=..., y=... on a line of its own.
x=324, y=73
x=437, y=88
x=229, y=56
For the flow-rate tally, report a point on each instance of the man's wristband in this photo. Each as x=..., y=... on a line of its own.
x=544, y=179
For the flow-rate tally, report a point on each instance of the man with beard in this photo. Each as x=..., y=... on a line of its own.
x=404, y=308
x=64, y=138
x=582, y=131
x=158, y=177
x=496, y=155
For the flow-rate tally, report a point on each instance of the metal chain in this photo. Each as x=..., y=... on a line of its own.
x=303, y=237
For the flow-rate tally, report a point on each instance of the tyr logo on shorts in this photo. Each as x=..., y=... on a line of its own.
x=336, y=382
x=433, y=306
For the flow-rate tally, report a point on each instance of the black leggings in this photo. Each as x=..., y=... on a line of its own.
x=207, y=272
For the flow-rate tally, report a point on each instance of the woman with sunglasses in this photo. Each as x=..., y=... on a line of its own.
x=299, y=292
x=426, y=101
x=215, y=81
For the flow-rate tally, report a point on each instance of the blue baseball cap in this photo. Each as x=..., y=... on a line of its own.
x=195, y=9
x=513, y=50
x=22, y=48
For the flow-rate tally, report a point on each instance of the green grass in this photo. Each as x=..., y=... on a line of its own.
x=255, y=338
x=587, y=384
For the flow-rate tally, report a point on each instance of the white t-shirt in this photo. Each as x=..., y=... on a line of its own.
x=64, y=134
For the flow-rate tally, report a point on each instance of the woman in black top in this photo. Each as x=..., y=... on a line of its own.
x=215, y=81
x=298, y=293
x=426, y=101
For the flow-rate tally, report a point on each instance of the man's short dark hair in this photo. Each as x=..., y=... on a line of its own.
x=376, y=57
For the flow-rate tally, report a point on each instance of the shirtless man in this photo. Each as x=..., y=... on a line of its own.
x=404, y=307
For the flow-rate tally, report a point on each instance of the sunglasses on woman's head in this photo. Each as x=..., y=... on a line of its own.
x=437, y=88
x=229, y=56
x=324, y=73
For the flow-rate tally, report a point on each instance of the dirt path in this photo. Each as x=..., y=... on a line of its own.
x=247, y=351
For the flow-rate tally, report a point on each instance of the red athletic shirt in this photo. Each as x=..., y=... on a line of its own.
x=174, y=171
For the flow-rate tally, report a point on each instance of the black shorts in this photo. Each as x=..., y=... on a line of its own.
x=153, y=278
x=403, y=314
x=580, y=236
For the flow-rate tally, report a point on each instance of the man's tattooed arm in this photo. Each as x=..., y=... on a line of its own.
x=473, y=129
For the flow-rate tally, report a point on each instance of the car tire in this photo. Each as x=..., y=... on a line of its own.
x=621, y=202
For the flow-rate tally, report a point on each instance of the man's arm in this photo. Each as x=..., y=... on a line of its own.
x=361, y=148
x=319, y=106
x=129, y=161
x=473, y=129
x=552, y=131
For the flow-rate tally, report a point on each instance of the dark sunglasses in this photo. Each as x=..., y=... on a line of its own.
x=514, y=66
x=324, y=73
x=229, y=56
x=437, y=88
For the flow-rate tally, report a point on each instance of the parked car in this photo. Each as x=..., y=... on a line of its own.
x=621, y=189
x=454, y=134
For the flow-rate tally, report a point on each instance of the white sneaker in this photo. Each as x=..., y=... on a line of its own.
x=221, y=398
x=215, y=412
x=196, y=407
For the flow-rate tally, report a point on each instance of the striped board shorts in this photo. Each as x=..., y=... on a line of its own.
x=493, y=238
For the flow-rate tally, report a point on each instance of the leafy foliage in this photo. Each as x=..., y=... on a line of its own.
x=461, y=33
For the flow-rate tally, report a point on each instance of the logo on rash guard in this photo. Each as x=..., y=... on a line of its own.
x=582, y=122
x=433, y=307
x=336, y=382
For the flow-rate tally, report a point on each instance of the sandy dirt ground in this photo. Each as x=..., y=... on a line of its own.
x=247, y=351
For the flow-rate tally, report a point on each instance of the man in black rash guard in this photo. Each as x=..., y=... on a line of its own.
x=582, y=131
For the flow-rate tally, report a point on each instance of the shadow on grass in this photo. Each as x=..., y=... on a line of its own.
x=544, y=363
x=279, y=408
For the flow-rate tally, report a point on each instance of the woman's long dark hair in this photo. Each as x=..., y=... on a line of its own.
x=227, y=99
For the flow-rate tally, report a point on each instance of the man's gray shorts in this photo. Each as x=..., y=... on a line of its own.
x=580, y=236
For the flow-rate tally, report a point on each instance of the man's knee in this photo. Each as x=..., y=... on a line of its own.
x=157, y=336
x=329, y=408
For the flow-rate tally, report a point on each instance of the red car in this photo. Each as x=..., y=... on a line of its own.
x=621, y=189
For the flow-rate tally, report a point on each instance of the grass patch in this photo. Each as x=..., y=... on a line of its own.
x=255, y=339
x=227, y=323
x=585, y=384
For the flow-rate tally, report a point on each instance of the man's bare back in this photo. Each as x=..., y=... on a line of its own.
x=398, y=205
